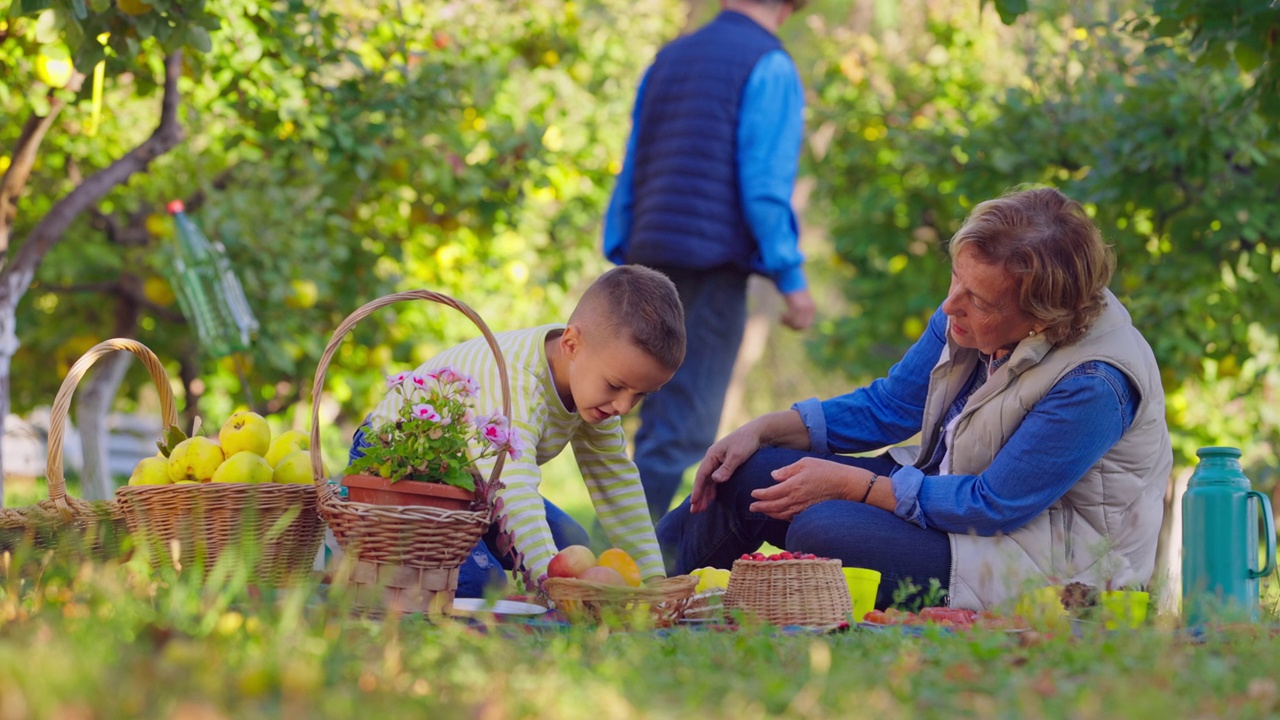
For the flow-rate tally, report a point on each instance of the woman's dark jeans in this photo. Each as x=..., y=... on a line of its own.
x=859, y=535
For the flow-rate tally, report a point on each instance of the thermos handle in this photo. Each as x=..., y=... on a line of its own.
x=1269, y=523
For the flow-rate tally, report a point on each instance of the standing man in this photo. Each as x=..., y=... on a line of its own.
x=705, y=197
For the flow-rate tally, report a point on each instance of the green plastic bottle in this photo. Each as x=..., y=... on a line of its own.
x=208, y=291
x=1220, y=540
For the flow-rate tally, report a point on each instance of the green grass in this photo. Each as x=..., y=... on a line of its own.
x=91, y=639
x=84, y=638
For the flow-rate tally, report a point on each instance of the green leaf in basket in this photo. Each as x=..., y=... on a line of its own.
x=172, y=437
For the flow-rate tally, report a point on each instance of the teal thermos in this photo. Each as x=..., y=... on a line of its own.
x=1220, y=540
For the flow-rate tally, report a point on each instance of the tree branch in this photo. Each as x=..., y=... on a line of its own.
x=16, y=277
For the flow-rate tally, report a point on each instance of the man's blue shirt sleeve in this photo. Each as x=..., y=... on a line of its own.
x=617, y=218
x=770, y=130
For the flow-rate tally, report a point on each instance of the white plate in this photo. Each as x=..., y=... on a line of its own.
x=471, y=606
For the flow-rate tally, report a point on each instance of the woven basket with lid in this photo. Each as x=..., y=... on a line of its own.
x=790, y=592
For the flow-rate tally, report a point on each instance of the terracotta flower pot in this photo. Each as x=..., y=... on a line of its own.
x=380, y=491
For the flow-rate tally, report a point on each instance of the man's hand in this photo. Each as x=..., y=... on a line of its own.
x=803, y=483
x=719, y=463
x=800, y=310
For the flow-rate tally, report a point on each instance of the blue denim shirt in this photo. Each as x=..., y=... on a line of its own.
x=770, y=132
x=1074, y=425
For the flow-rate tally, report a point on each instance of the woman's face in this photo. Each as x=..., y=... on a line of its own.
x=983, y=306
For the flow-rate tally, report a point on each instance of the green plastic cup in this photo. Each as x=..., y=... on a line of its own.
x=1124, y=608
x=863, y=586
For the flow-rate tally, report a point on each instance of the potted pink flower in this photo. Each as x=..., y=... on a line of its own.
x=426, y=454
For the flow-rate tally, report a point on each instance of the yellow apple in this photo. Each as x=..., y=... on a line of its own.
x=195, y=459
x=53, y=66
x=245, y=430
x=133, y=8
x=302, y=294
x=151, y=471
x=293, y=468
x=287, y=443
x=243, y=467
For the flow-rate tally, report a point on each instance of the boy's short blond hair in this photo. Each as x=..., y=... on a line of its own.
x=640, y=305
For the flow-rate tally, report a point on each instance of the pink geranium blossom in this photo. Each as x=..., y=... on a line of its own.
x=435, y=433
x=423, y=411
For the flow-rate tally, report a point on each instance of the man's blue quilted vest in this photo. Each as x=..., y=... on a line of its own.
x=688, y=209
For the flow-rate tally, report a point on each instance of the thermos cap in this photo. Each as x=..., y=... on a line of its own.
x=1218, y=452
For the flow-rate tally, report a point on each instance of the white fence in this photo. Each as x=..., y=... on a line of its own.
x=25, y=447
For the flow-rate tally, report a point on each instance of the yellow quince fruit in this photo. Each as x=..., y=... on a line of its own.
x=195, y=459
x=243, y=467
x=287, y=443
x=245, y=430
x=151, y=471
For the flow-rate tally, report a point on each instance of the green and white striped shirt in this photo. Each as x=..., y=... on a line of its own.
x=545, y=427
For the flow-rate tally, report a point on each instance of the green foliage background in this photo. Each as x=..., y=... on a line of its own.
x=363, y=148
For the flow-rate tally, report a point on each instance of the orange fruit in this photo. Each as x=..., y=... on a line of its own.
x=622, y=563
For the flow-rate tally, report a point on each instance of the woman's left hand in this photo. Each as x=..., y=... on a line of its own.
x=801, y=484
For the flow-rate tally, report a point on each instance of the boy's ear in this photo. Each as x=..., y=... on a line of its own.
x=571, y=341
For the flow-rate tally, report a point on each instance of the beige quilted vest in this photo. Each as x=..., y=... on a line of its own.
x=1104, y=529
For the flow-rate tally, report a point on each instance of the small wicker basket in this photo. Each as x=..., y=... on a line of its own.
x=790, y=592
x=661, y=602
x=100, y=522
x=273, y=527
x=398, y=557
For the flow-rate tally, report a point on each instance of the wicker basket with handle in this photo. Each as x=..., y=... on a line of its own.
x=403, y=557
x=272, y=527
x=102, y=522
x=790, y=592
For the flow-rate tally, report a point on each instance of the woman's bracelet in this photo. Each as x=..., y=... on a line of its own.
x=867, y=494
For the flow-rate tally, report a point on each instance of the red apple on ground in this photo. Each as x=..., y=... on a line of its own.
x=603, y=575
x=571, y=562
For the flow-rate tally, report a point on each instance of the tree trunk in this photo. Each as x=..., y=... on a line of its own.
x=8, y=346
x=765, y=304
x=1167, y=579
x=20, y=266
x=92, y=408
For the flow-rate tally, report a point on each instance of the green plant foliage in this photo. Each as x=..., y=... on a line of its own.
x=1182, y=184
x=341, y=151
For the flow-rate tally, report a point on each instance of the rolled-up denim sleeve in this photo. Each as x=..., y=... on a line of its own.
x=815, y=420
x=906, y=494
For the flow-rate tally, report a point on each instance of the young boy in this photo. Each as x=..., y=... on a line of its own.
x=570, y=385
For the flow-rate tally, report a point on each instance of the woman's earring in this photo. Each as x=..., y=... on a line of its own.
x=1032, y=333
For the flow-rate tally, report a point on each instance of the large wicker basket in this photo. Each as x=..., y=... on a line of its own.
x=790, y=592
x=101, y=522
x=402, y=558
x=271, y=528
x=661, y=602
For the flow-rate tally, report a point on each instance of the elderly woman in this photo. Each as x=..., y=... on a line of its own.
x=1044, y=452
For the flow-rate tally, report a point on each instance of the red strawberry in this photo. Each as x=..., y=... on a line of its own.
x=787, y=556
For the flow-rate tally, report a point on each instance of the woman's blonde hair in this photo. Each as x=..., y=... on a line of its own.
x=1054, y=252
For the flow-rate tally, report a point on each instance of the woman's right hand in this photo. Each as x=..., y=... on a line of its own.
x=780, y=429
x=721, y=460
